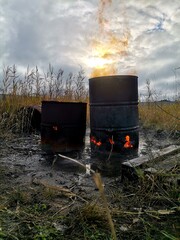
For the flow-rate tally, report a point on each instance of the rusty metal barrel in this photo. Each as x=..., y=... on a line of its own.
x=29, y=118
x=63, y=126
x=114, y=113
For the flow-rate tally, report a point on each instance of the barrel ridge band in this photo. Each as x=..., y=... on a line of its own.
x=115, y=129
x=114, y=103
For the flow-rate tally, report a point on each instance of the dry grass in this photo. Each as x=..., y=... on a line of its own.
x=161, y=116
x=29, y=90
x=146, y=209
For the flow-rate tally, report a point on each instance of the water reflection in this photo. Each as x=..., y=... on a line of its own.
x=107, y=163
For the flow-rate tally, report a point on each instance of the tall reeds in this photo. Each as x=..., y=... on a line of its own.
x=161, y=115
x=17, y=90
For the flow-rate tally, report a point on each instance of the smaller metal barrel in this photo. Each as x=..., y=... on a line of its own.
x=63, y=126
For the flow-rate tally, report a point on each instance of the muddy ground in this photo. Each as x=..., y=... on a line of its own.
x=26, y=167
x=25, y=161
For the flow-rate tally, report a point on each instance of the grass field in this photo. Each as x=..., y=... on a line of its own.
x=145, y=209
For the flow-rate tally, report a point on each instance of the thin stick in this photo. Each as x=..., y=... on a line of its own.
x=110, y=150
x=74, y=160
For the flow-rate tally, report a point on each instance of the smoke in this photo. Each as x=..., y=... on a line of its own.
x=103, y=4
x=108, y=46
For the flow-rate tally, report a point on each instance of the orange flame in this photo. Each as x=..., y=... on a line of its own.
x=93, y=140
x=128, y=142
x=111, y=141
x=107, y=46
x=99, y=143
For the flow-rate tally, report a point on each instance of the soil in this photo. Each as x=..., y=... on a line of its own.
x=25, y=161
x=26, y=166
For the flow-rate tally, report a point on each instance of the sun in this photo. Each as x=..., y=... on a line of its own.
x=98, y=62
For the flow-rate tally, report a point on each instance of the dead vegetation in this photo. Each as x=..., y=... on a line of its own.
x=17, y=91
x=109, y=208
x=143, y=209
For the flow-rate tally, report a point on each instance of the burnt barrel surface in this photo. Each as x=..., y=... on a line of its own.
x=114, y=111
x=63, y=126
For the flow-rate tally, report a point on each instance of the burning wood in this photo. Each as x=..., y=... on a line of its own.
x=128, y=142
x=97, y=143
x=111, y=141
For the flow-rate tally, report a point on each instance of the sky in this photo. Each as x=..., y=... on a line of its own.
x=131, y=37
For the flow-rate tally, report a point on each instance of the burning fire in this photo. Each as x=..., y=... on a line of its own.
x=111, y=141
x=107, y=47
x=97, y=143
x=128, y=142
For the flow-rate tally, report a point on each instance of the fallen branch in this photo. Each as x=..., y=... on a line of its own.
x=86, y=167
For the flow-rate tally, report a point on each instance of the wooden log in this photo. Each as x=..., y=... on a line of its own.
x=130, y=168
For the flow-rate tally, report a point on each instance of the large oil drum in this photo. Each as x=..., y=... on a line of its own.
x=63, y=126
x=114, y=113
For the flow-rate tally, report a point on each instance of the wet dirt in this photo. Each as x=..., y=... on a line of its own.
x=26, y=162
x=28, y=178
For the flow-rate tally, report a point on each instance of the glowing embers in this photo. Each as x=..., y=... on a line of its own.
x=128, y=142
x=97, y=143
x=119, y=142
x=111, y=141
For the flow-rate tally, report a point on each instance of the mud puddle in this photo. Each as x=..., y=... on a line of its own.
x=26, y=163
x=43, y=194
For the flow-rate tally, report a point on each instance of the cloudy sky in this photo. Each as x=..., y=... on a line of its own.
x=66, y=33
